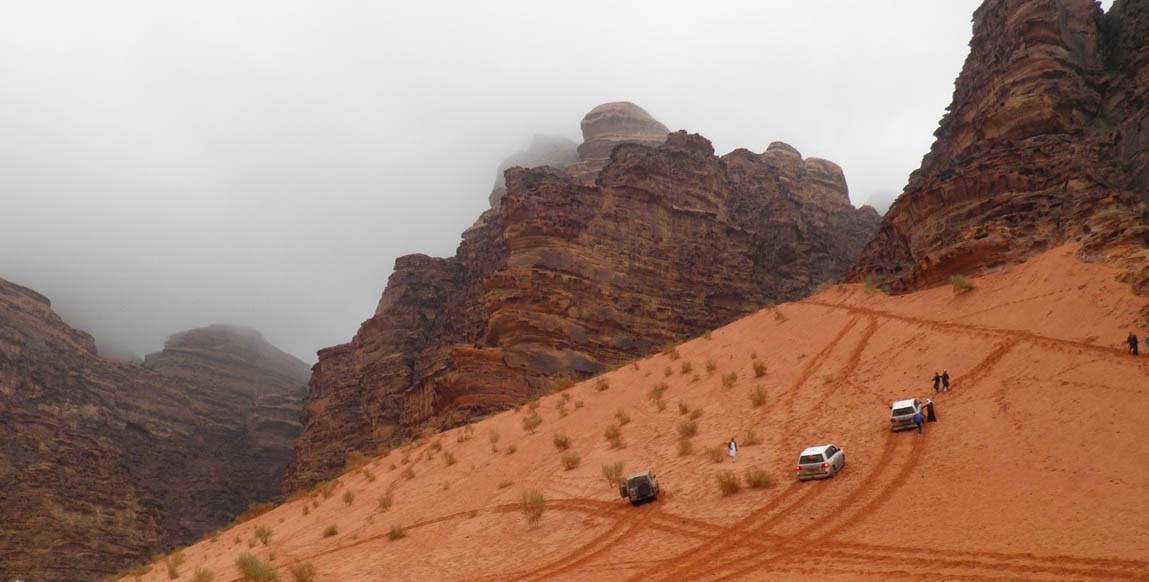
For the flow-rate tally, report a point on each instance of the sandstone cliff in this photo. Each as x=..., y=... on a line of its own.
x=103, y=463
x=569, y=278
x=544, y=150
x=1045, y=142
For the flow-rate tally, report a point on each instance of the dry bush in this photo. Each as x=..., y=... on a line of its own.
x=602, y=384
x=203, y=575
x=753, y=355
x=255, y=510
x=659, y=404
x=571, y=460
x=695, y=378
x=532, y=422
x=758, y=478
x=254, y=570
x=612, y=473
x=634, y=364
x=408, y=474
x=682, y=407
x=504, y=484
x=714, y=454
x=303, y=572
x=711, y=366
x=623, y=417
x=306, y=509
x=685, y=367
x=330, y=530
x=173, y=563
x=670, y=349
x=562, y=383
x=685, y=446
x=751, y=439
x=728, y=380
x=385, y=502
x=758, y=396
x=437, y=445
x=348, y=497
x=566, y=396
x=778, y=316
x=493, y=436
x=729, y=483
x=252, y=543
x=446, y=485
x=668, y=371
x=562, y=408
x=657, y=390
x=449, y=458
x=396, y=532
x=828, y=379
x=960, y=284
x=367, y=474
x=707, y=335
x=264, y=533
x=355, y=460
x=871, y=282
x=613, y=435
x=695, y=414
x=510, y=450
x=562, y=442
x=688, y=429
x=533, y=504
x=578, y=404
x=759, y=369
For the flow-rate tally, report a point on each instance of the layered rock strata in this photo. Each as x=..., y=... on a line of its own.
x=544, y=150
x=1045, y=142
x=567, y=278
x=610, y=125
x=103, y=462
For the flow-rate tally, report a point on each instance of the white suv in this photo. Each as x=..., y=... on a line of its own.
x=820, y=462
x=902, y=414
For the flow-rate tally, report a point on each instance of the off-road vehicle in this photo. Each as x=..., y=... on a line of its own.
x=820, y=462
x=902, y=414
x=639, y=487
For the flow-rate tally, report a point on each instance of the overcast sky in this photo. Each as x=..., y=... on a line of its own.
x=168, y=165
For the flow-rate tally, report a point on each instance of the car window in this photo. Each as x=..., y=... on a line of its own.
x=804, y=459
x=903, y=411
x=830, y=452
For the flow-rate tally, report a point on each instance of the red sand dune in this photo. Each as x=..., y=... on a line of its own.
x=1036, y=469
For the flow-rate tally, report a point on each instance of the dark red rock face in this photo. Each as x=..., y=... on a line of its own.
x=565, y=278
x=1045, y=143
x=103, y=463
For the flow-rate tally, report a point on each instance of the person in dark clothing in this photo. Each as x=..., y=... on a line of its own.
x=930, y=416
x=945, y=381
x=918, y=422
x=1132, y=340
x=937, y=382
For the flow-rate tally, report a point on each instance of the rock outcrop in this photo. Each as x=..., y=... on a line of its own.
x=568, y=278
x=608, y=126
x=544, y=150
x=104, y=462
x=1045, y=142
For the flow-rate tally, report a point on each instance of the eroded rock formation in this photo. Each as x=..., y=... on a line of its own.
x=544, y=150
x=608, y=126
x=568, y=277
x=103, y=462
x=1045, y=142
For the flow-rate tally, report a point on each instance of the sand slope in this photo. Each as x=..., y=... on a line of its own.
x=1035, y=471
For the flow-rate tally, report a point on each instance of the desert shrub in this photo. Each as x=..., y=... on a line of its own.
x=623, y=417
x=729, y=483
x=668, y=371
x=532, y=503
x=828, y=379
x=695, y=414
x=687, y=429
x=348, y=497
x=960, y=284
x=711, y=366
x=505, y=483
x=714, y=454
x=173, y=563
x=571, y=460
x=751, y=438
x=367, y=474
x=871, y=281
x=613, y=435
x=707, y=335
x=306, y=509
x=254, y=510
x=728, y=380
x=612, y=473
x=758, y=478
x=385, y=502
x=264, y=533
x=578, y=404
x=330, y=530
x=533, y=405
x=670, y=348
x=396, y=532
x=252, y=543
x=355, y=460
x=511, y=450
x=685, y=367
x=758, y=396
x=682, y=407
x=685, y=446
x=203, y=575
x=562, y=442
x=562, y=408
x=532, y=422
x=449, y=458
x=408, y=474
x=493, y=436
x=565, y=396
x=759, y=369
x=255, y=570
x=437, y=445
x=602, y=385
x=303, y=572
x=657, y=390
x=778, y=316
x=659, y=404
x=446, y=485
x=562, y=383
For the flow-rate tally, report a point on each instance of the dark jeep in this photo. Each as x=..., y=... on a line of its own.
x=640, y=487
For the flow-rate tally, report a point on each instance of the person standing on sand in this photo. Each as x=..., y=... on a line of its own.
x=918, y=421
x=937, y=382
x=733, y=446
x=930, y=416
x=945, y=381
x=1132, y=341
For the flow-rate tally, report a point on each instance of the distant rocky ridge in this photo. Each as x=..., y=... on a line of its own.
x=575, y=271
x=544, y=150
x=1046, y=142
x=103, y=462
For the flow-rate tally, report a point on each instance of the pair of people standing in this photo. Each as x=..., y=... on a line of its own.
x=942, y=382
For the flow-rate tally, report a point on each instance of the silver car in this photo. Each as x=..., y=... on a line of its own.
x=820, y=462
x=902, y=414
